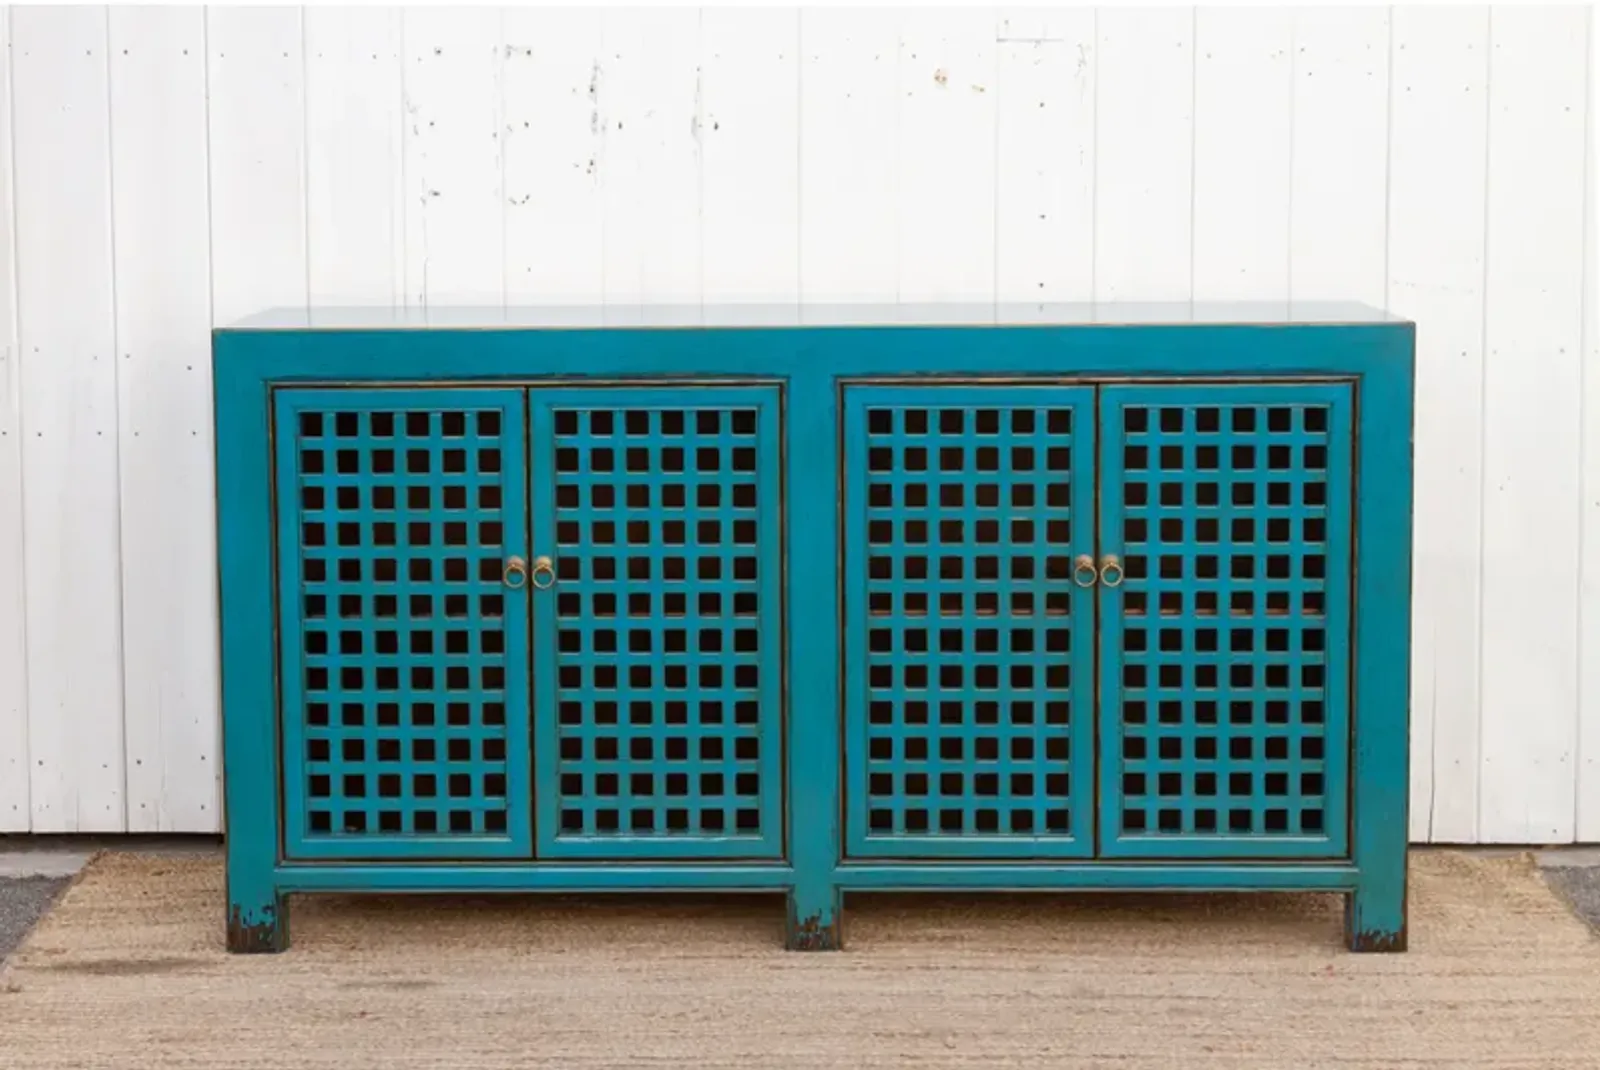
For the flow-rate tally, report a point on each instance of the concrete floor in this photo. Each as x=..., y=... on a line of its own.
x=23, y=901
x=1580, y=887
x=35, y=870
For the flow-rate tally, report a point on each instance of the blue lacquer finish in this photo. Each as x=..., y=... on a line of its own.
x=969, y=650
x=1225, y=719
x=815, y=619
x=659, y=666
x=404, y=657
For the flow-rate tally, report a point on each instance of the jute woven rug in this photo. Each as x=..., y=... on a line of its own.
x=129, y=971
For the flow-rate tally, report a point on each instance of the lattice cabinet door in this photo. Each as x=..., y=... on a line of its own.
x=404, y=654
x=1226, y=511
x=969, y=645
x=658, y=628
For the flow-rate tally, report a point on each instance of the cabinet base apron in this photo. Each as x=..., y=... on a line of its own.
x=259, y=921
x=1016, y=598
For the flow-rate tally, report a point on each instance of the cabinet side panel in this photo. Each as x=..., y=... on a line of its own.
x=248, y=641
x=1382, y=686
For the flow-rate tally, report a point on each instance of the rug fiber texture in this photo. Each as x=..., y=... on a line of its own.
x=129, y=971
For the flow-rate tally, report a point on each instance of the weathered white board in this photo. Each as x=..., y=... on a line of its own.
x=163, y=170
x=67, y=341
x=15, y=812
x=162, y=259
x=1438, y=148
x=1144, y=155
x=1532, y=423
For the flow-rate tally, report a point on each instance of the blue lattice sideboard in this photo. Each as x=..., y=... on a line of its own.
x=814, y=601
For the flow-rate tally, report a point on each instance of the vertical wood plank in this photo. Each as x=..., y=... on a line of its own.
x=15, y=813
x=946, y=155
x=1243, y=138
x=355, y=212
x=1338, y=227
x=651, y=98
x=1532, y=423
x=69, y=382
x=163, y=308
x=849, y=220
x=1437, y=147
x=1045, y=151
x=294, y=119
x=454, y=178
x=1144, y=155
x=1340, y=173
x=1588, y=830
x=256, y=81
x=749, y=130
x=554, y=163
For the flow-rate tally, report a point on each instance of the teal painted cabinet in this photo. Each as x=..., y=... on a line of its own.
x=658, y=696
x=1045, y=597
x=404, y=668
x=969, y=650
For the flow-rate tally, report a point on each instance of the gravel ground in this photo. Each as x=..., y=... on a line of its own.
x=23, y=900
x=1579, y=886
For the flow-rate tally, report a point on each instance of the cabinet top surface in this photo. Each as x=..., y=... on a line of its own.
x=636, y=317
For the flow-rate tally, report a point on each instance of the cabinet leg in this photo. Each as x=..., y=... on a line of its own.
x=816, y=919
x=1375, y=918
x=257, y=923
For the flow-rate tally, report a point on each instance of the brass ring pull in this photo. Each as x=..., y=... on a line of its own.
x=543, y=568
x=1111, y=571
x=515, y=575
x=1083, y=571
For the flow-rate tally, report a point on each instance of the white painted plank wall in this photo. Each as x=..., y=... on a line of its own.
x=16, y=813
x=1438, y=150
x=1243, y=146
x=1532, y=422
x=455, y=221
x=1144, y=155
x=257, y=130
x=945, y=156
x=161, y=242
x=650, y=122
x=162, y=170
x=1339, y=160
x=1045, y=155
x=849, y=178
x=749, y=132
x=71, y=508
x=1588, y=771
x=354, y=133
x=554, y=157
